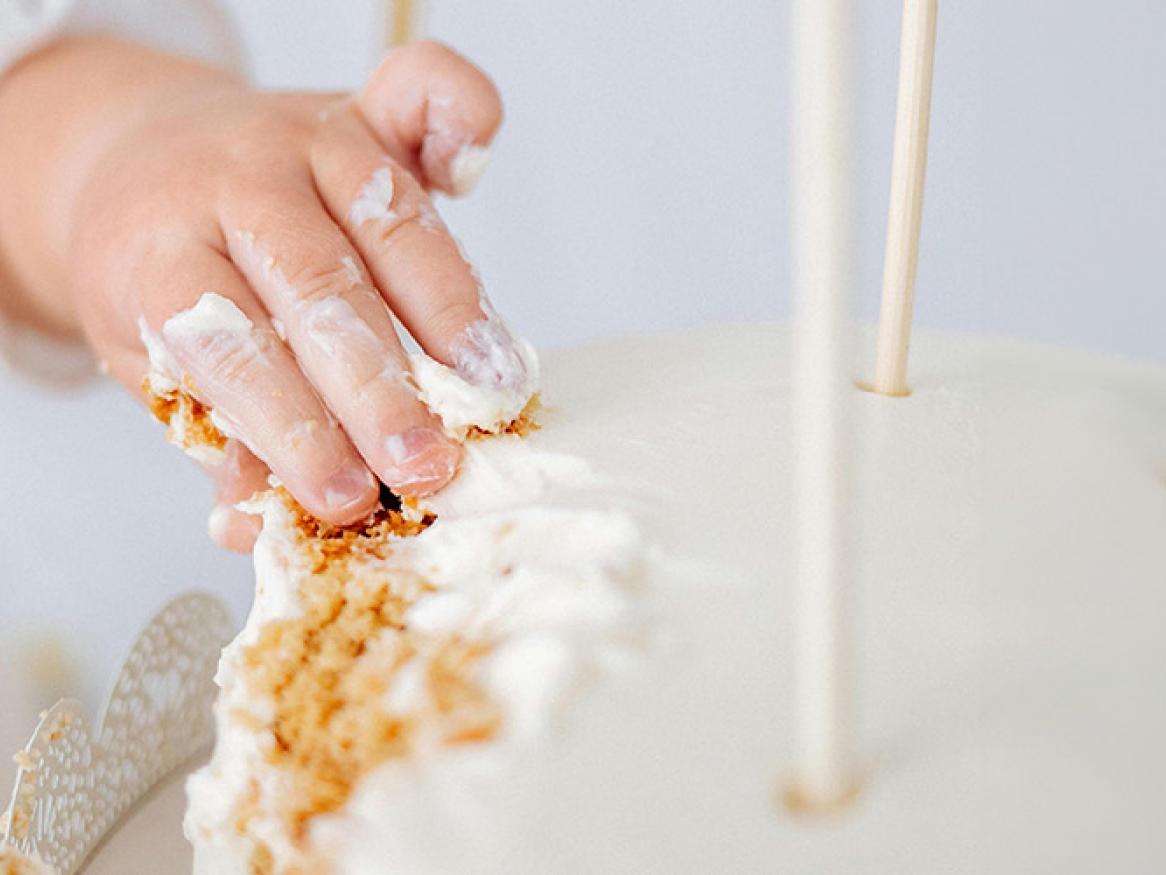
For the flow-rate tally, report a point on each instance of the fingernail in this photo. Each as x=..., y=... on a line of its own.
x=420, y=461
x=347, y=486
x=487, y=355
x=467, y=168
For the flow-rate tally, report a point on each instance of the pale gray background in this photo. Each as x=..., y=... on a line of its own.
x=640, y=184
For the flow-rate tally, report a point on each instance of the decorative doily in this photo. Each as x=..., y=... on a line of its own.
x=73, y=787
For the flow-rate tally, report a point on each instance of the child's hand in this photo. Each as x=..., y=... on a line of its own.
x=308, y=214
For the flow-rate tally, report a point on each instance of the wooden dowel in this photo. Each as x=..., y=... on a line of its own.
x=905, y=215
x=402, y=22
x=823, y=260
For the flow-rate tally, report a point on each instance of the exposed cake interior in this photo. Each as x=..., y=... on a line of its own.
x=327, y=670
x=400, y=641
x=395, y=642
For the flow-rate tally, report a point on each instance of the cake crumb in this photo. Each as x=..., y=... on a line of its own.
x=188, y=421
x=328, y=545
x=524, y=425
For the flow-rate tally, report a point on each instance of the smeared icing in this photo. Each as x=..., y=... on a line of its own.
x=374, y=203
x=495, y=374
x=467, y=167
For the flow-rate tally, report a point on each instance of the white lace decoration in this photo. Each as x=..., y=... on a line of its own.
x=71, y=787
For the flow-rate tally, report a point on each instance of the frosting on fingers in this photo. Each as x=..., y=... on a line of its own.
x=494, y=378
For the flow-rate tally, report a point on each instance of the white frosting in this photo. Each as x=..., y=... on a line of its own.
x=460, y=404
x=1010, y=516
x=260, y=264
x=352, y=273
x=213, y=321
x=504, y=573
x=214, y=329
x=334, y=326
x=555, y=585
x=211, y=314
x=493, y=378
x=164, y=375
x=374, y=203
x=467, y=167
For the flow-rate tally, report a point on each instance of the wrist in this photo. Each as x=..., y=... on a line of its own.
x=65, y=108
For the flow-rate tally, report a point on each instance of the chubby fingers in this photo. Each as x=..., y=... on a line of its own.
x=238, y=477
x=323, y=302
x=237, y=473
x=415, y=263
x=431, y=105
x=214, y=334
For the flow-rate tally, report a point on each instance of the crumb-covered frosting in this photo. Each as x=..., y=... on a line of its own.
x=493, y=379
x=402, y=641
x=189, y=424
x=416, y=634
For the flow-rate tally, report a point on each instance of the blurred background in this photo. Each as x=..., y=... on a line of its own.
x=639, y=185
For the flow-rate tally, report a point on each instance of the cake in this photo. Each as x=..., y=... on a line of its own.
x=576, y=658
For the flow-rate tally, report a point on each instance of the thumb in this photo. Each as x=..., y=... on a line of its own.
x=239, y=477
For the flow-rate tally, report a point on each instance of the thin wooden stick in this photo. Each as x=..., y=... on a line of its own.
x=823, y=261
x=402, y=22
x=905, y=216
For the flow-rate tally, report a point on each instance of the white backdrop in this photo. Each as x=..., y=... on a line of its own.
x=639, y=185
x=640, y=178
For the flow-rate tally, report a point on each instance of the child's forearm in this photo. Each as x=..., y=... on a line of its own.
x=61, y=109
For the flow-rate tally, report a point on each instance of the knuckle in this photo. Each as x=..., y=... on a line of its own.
x=230, y=362
x=315, y=282
x=390, y=233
